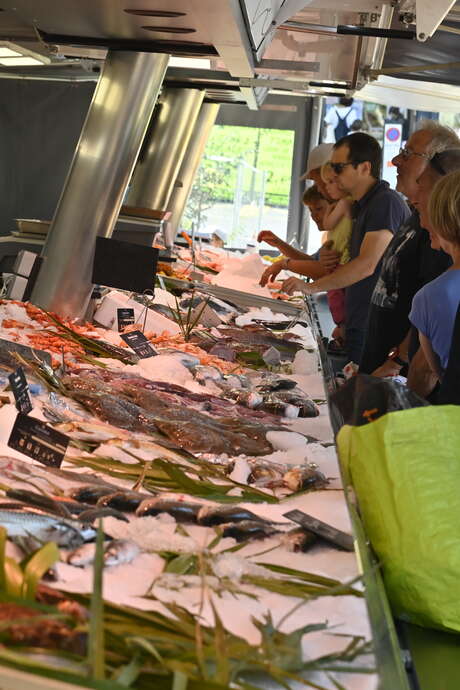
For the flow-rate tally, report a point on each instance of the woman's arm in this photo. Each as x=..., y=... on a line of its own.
x=430, y=355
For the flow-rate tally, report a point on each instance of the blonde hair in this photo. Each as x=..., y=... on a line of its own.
x=326, y=170
x=444, y=207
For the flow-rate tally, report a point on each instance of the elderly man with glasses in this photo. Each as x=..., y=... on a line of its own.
x=378, y=212
x=408, y=263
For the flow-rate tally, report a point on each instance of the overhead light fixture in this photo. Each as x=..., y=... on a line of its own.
x=15, y=55
x=190, y=63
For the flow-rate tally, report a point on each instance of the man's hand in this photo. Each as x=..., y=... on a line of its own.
x=295, y=285
x=328, y=258
x=269, y=237
x=271, y=272
x=388, y=368
x=338, y=334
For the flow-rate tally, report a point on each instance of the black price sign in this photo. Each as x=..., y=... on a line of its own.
x=125, y=318
x=39, y=441
x=20, y=389
x=322, y=529
x=139, y=343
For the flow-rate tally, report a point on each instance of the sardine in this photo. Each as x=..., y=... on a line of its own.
x=219, y=515
x=128, y=501
x=248, y=529
x=40, y=500
x=90, y=494
x=89, y=516
x=179, y=510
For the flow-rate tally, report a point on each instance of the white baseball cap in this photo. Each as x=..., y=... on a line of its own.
x=221, y=234
x=317, y=158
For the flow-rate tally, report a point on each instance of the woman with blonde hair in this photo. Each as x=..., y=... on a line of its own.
x=435, y=306
x=338, y=223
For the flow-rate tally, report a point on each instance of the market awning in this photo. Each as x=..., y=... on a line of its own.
x=416, y=95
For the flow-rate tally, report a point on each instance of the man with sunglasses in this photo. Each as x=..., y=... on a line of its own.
x=377, y=212
x=409, y=261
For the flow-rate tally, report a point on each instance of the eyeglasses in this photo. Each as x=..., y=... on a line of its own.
x=338, y=167
x=407, y=152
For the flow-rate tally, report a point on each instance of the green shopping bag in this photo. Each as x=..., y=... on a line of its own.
x=405, y=469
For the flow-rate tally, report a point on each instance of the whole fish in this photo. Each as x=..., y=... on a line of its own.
x=45, y=527
x=298, y=539
x=248, y=530
x=116, y=552
x=128, y=501
x=306, y=477
x=179, y=510
x=218, y=515
x=41, y=501
x=90, y=494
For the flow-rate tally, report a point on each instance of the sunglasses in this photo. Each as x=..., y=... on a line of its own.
x=338, y=167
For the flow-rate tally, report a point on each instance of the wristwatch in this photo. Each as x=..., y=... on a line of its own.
x=394, y=355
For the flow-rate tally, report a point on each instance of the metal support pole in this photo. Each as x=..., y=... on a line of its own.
x=103, y=162
x=306, y=136
x=188, y=169
x=160, y=161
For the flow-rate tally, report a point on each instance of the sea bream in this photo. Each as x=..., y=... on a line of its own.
x=44, y=527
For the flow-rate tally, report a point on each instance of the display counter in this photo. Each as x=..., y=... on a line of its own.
x=124, y=458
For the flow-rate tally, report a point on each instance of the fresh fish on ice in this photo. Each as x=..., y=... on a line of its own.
x=218, y=515
x=116, y=552
x=298, y=539
x=45, y=527
x=181, y=511
x=127, y=501
x=92, y=514
x=305, y=477
x=90, y=494
x=249, y=529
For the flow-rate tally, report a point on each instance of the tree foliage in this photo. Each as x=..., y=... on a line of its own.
x=265, y=149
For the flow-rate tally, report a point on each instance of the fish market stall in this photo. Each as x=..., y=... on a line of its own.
x=186, y=486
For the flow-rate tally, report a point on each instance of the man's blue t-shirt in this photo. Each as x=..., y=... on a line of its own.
x=381, y=208
x=434, y=309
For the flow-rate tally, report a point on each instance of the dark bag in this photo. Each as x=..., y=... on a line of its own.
x=342, y=128
x=363, y=399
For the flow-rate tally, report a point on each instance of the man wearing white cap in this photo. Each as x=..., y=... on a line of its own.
x=310, y=265
x=218, y=238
